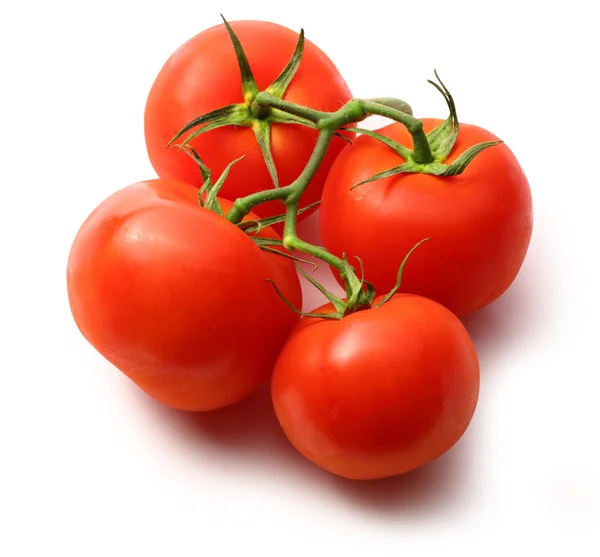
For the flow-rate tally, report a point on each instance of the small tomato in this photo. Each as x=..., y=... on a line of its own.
x=379, y=392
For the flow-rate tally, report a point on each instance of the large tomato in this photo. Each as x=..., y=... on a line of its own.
x=379, y=392
x=203, y=75
x=479, y=222
x=176, y=297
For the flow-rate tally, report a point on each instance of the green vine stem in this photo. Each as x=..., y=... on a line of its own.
x=328, y=123
x=354, y=111
x=428, y=153
x=260, y=109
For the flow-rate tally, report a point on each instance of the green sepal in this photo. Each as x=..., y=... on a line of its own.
x=280, y=85
x=461, y=163
x=231, y=113
x=342, y=136
x=256, y=225
x=356, y=284
x=358, y=299
x=286, y=255
x=207, y=185
x=211, y=202
x=205, y=188
x=392, y=102
x=443, y=137
x=437, y=134
x=369, y=291
x=240, y=117
x=266, y=244
x=447, y=139
x=249, y=86
x=331, y=316
x=193, y=154
x=389, y=295
x=262, y=131
x=402, y=169
x=435, y=168
x=337, y=303
x=403, y=151
x=263, y=241
x=446, y=146
x=250, y=226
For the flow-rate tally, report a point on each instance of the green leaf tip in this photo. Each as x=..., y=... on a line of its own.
x=254, y=226
x=249, y=86
x=393, y=291
x=443, y=138
x=338, y=303
x=270, y=249
x=193, y=154
x=221, y=181
x=403, y=151
x=401, y=169
x=331, y=316
x=461, y=163
x=281, y=83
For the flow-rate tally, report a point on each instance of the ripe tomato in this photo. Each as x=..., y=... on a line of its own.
x=479, y=222
x=176, y=297
x=379, y=392
x=203, y=75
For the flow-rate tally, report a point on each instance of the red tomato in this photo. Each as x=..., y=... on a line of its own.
x=203, y=75
x=379, y=392
x=479, y=222
x=176, y=297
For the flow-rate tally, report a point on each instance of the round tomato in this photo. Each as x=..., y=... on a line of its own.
x=203, y=75
x=379, y=392
x=479, y=222
x=176, y=297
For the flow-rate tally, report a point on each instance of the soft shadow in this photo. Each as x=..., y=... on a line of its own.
x=248, y=431
x=248, y=438
x=510, y=322
x=439, y=487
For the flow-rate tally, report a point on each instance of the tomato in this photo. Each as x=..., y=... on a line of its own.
x=479, y=222
x=379, y=392
x=176, y=297
x=203, y=75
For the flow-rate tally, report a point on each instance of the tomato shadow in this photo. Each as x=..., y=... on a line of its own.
x=245, y=436
x=441, y=487
x=246, y=439
x=510, y=323
x=248, y=426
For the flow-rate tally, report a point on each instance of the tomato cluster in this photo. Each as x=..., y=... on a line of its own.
x=183, y=284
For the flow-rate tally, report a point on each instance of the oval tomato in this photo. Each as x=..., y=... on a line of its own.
x=176, y=297
x=479, y=222
x=379, y=392
x=203, y=75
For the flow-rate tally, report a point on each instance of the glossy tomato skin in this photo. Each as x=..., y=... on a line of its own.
x=380, y=392
x=479, y=222
x=203, y=75
x=175, y=296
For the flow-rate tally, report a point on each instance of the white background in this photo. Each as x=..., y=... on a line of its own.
x=91, y=466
